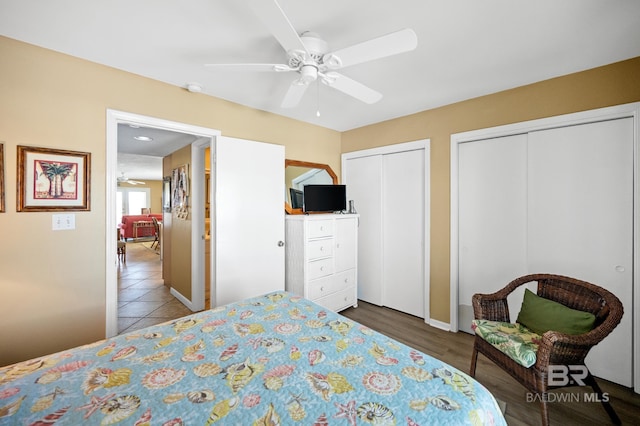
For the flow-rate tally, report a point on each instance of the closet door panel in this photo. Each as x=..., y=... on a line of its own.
x=364, y=186
x=492, y=220
x=581, y=220
x=403, y=231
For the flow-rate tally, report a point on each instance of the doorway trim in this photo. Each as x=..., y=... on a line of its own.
x=113, y=118
x=198, y=241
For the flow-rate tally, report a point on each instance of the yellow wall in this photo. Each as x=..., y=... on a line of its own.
x=180, y=236
x=600, y=87
x=52, y=284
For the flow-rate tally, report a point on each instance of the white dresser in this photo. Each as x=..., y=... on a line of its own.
x=321, y=258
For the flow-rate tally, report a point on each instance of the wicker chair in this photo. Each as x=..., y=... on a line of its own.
x=555, y=348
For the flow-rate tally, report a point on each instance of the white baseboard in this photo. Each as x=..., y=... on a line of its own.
x=182, y=299
x=439, y=324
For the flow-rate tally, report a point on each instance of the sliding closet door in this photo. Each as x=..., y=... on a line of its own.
x=492, y=214
x=364, y=187
x=581, y=220
x=403, y=231
x=390, y=187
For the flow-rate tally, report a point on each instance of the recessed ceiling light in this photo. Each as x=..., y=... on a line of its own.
x=143, y=138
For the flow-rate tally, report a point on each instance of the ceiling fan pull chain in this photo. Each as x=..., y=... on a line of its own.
x=318, y=98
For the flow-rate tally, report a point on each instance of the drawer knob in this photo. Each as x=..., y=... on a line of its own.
x=321, y=248
x=321, y=288
x=322, y=268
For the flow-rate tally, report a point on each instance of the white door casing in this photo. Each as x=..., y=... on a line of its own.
x=383, y=190
x=113, y=118
x=615, y=266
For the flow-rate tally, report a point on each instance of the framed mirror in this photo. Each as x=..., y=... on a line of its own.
x=297, y=174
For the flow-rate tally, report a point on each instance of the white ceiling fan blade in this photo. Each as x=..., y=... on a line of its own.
x=250, y=67
x=351, y=87
x=387, y=45
x=294, y=94
x=273, y=17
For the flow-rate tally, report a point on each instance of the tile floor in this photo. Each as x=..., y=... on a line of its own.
x=143, y=299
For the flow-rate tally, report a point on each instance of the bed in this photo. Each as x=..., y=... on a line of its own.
x=273, y=359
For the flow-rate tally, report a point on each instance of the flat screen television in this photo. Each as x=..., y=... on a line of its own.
x=324, y=198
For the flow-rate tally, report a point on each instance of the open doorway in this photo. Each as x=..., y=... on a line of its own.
x=117, y=120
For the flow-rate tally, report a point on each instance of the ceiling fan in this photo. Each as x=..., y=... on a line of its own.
x=123, y=179
x=309, y=56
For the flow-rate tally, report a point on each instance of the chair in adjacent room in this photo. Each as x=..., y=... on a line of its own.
x=589, y=313
x=156, y=231
x=122, y=248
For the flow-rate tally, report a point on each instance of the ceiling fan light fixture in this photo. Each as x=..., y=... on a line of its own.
x=308, y=73
x=331, y=61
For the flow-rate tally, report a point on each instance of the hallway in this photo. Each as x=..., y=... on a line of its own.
x=143, y=299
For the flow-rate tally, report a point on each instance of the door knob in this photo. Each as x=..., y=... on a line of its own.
x=280, y=243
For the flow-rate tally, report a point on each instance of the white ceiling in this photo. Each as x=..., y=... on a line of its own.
x=142, y=160
x=466, y=48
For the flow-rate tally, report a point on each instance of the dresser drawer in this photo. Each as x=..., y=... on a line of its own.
x=320, y=228
x=345, y=279
x=327, y=285
x=320, y=268
x=339, y=300
x=320, y=248
x=321, y=287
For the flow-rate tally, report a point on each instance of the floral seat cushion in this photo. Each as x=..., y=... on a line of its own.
x=514, y=340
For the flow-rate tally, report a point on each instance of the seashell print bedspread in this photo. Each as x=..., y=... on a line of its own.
x=269, y=360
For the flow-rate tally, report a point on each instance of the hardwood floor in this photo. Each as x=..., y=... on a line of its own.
x=455, y=349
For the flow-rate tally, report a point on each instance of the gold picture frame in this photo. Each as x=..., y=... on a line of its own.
x=53, y=180
x=1, y=178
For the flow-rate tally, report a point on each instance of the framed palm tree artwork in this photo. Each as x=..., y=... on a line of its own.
x=53, y=180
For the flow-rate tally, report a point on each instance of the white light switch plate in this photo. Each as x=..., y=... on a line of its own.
x=60, y=222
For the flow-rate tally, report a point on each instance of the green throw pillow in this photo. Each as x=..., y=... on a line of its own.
x=540, y=315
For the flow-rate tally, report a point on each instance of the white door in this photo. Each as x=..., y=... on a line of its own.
x=364, y=187
x=492, y=214
x=248, y=222
x=403, y=231
x=581, y=221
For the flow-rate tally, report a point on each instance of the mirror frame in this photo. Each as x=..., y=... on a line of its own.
x=297, y=163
